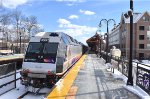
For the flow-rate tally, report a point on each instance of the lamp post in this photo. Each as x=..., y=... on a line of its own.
x=101, y=39
x=99, y=42
x=130, y=13
x=100, y=45
x=107, y=21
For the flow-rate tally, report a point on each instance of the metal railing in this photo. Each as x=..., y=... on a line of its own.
x=7, y=77
x=141, y=71
x=143, y=77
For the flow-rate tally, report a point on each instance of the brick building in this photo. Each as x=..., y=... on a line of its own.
x=120, y=36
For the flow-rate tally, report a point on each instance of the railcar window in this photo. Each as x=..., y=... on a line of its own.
x=35, y=47
x=76, y=41
x=65, y=40
x=50, y=48
x=71, y=39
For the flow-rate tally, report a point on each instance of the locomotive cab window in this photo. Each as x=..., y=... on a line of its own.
x=50, y=48
x=50, y=52
x=41, y=52
x=35, y=48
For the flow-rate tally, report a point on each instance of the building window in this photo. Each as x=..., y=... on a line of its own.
x=146, y=18
x=148, y=35
x=141, y=37
x=141, y=55
x=148, y=28
x=148, y=46
x=141, y=46
x=141, y=28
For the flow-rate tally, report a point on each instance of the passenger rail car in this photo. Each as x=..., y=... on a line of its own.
x=48, y=56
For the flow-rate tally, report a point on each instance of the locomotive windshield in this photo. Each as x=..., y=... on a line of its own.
x=35, y=48
x=41, y=52
x=50, y=48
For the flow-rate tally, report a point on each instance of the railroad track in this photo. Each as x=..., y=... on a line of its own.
x=24, y=94
x=33, y=92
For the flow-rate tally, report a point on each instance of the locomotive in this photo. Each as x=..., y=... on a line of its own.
x=48, y=57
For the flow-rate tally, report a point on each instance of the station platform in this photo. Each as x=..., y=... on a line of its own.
x=13, y=56
x=89, y=79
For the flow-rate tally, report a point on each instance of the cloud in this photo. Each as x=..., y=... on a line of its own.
x=13, y=3
x=79, y=1
x=63, y=22
x=71, y=2
x=40, y=26
x=73, y=29
x=83, y=39
x=86, y=12
x=73, y=17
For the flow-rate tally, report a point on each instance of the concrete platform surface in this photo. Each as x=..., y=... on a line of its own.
x=94, y=82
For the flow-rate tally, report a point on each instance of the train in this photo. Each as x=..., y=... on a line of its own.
x=48, y=57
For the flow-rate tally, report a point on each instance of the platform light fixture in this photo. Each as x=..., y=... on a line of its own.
x=128, y=14
x=107, y=40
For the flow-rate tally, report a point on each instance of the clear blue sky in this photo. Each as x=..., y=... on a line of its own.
x=78, y=18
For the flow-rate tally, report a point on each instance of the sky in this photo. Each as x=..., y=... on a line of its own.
x=78, y=18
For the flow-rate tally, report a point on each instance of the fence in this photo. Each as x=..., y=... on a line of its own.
x=7, y=77
x=143, y=77
x=141, y=72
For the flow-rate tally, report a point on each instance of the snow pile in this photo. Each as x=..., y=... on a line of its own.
x=109, y=65
x=146, y=62
x=135, y=89
x=118, y=74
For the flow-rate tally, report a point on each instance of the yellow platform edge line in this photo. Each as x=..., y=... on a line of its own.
x=63, y=87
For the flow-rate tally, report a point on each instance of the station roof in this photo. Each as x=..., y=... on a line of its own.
x=94, y=40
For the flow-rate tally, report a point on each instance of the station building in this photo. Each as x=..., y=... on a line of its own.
x=94, y=43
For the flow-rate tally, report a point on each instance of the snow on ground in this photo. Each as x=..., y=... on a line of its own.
x=15, y=93
x=6, y=79
x=20, y=89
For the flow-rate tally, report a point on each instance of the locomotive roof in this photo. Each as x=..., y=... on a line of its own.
x=60, y=35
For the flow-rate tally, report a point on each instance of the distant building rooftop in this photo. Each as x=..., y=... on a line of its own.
x=136, y=17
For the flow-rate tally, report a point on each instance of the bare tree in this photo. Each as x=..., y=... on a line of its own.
x=30, y=23
x=37, y=29
x=4, y=23
x=15, y=26
x=17, y=16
